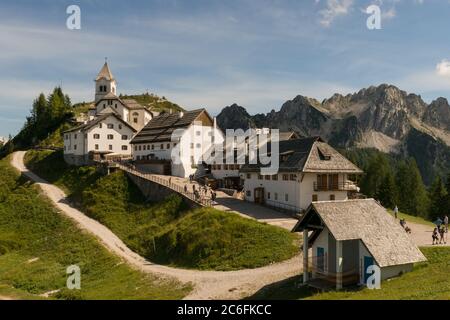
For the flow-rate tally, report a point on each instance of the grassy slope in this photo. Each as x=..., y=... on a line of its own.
x=428, y=281
x=165, y=232
x=413, y=219
x=30, y=227
x=154, y=102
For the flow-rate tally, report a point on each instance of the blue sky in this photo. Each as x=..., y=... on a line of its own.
x=208, y=53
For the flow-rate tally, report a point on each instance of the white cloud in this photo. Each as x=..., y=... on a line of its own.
x=443, y=68
x=334, y=9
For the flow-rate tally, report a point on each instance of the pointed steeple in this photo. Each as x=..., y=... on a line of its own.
x=105, y=73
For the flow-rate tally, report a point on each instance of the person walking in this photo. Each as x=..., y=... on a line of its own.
x=446, y=223
x=396, y=212
x=435, y=236
x=442, y=235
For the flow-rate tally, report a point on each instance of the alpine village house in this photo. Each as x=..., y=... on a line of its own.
x=346, y=236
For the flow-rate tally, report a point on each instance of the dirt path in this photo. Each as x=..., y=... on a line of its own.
x=207, y=284
x=421, y=235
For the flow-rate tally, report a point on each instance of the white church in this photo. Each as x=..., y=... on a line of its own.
x=112, y=124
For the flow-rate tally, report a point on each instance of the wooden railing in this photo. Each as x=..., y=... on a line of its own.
x=340, y=186
x=196, y=197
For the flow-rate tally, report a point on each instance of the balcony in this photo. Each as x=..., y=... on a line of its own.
x=340, y=186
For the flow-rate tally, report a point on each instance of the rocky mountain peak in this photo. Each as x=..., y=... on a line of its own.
x=438, y=114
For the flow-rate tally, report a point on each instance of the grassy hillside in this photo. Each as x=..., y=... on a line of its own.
x=154, y=102
x=428, y=281
x=37, y=244
x=166, y=232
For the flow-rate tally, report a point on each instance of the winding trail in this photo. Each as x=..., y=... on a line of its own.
x=207, y=284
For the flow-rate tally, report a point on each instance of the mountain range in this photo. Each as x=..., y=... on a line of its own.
x=381, y=117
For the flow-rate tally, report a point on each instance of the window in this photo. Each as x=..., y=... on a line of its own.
x=249, y=175
x=192, y=146
x=199, y=145
x=110, y=147
x=110, y=126
x=100, y=125
x=286, y=197
x=161, y=146
x=144, y=148
x=315, y=198
x=275, y=177
x=124, y=137
x=153, y=147
x=96, y=136
x=198, y=133
x=135, y=148
x=267, y=177
x=67, y=137
x=225, y=167
x=168, y=146
x=74, y=147
x=260, y=177
x=135, y=120
x=124, y=148
x=219, y=167
x=268, y=195
x=96, y=147
x=292, y=177
x=120, y=127
x=248, y=193
x=76, y=136
x=115, y=105
x=285, y=177
x=140, y=148
x=110, y=137
x=332, y=197
x=276, y=196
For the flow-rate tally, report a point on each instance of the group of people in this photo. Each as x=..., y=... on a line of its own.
x=440, y=231
x=201, y=192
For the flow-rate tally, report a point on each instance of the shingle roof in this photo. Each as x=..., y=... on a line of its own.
x=161, y=127
x=368, y=221
x=99, y=119
x=133, y=104
x=303, y=155
x=105, y=73
x=288, y=135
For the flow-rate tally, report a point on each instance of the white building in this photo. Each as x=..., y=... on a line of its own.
x=309, y=170
x=177, y=144
x=227, y=174
x=112, y=123
x=107, y=135
x=348, y=239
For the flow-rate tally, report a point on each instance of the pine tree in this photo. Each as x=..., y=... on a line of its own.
x=387, y=192
x=438, y=199
x=412, y=195
x=374, y=175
